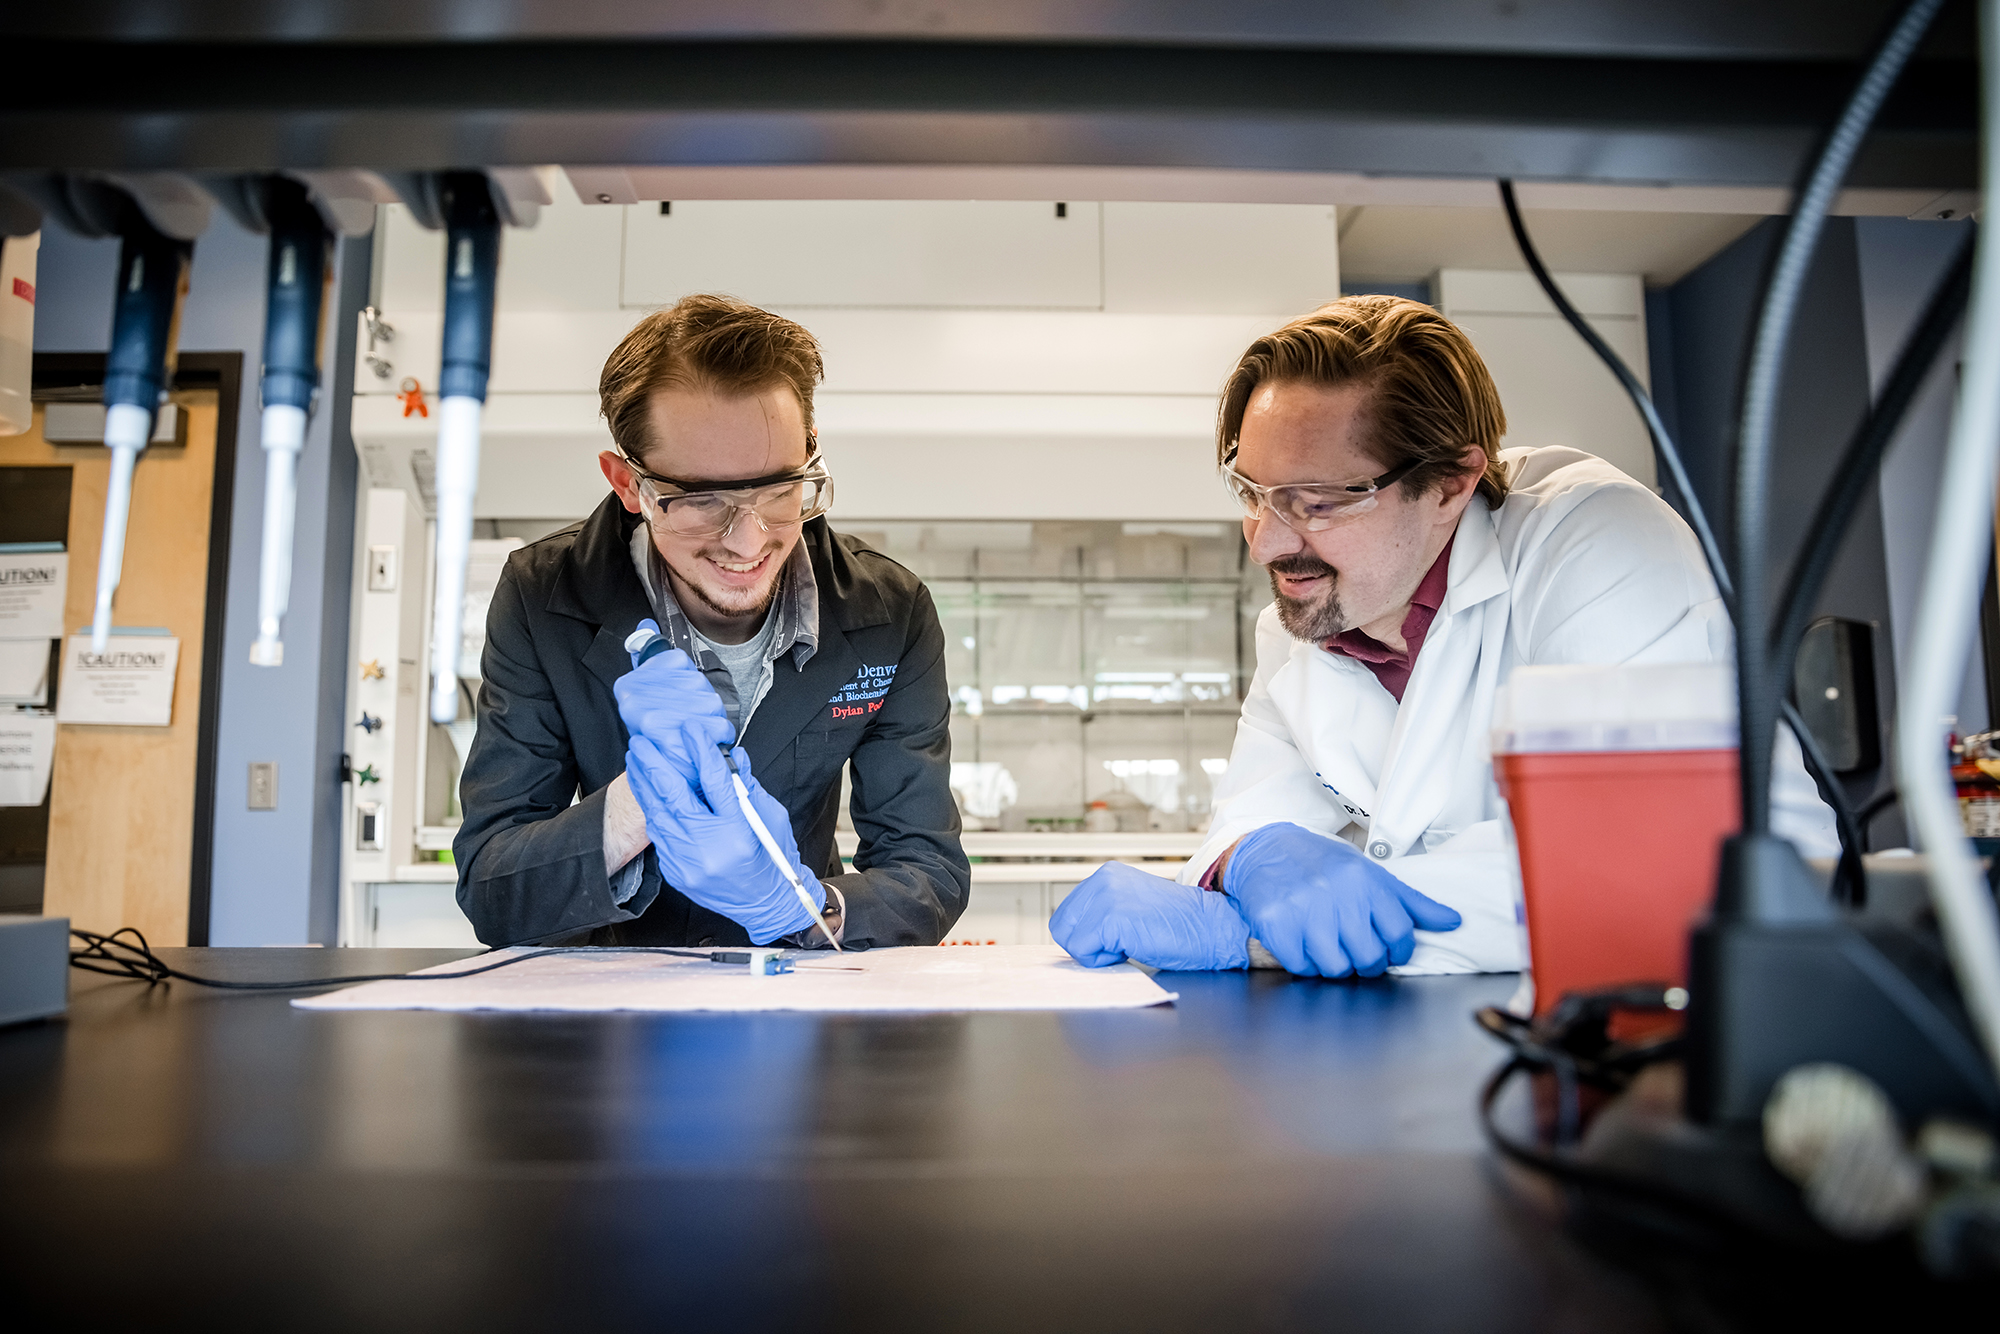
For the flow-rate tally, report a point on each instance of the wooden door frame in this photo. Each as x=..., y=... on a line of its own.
x=222, y=372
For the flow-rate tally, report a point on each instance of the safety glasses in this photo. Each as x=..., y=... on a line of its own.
x=706, y=509
x=1309, y=507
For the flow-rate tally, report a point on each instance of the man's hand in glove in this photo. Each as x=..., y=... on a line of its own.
x=1322, y=907
x=658, y=697
x=1121, y=912
x=706, y=847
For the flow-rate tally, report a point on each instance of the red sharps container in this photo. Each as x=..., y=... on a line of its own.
x=1620, y=784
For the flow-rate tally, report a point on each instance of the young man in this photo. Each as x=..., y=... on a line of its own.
x=597, y=797
x=1415, y=565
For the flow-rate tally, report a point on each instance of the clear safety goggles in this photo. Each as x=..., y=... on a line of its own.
x=707, y=509
x=1309, y=507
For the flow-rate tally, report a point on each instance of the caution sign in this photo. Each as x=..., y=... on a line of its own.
x=130, y=684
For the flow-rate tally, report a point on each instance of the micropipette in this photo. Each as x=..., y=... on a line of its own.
x=300, y=248
x=763, y=833
x=472, y=266
x=152, y=279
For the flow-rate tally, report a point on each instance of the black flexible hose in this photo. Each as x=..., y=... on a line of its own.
x=1663, y=445
x=1850, y=877
x=1875, y=805
x=1758, y=700
x=1849, y=882
x=1862, y=457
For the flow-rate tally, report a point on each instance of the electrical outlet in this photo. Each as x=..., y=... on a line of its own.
x=368, y=833
x=264, y=785
x=382, y=568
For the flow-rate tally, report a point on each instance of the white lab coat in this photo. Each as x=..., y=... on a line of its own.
x=1580, y=564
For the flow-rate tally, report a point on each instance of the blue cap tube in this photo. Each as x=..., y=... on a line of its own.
x=298, y=269
x=471, y=270
x=145, y=320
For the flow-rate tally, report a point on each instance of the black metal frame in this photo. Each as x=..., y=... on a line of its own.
x=425, y=102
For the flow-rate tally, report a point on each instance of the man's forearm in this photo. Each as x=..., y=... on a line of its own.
x=625, y=834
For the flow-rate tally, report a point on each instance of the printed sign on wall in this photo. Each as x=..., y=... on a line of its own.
x=27, y=750
x=130, y=684
x=32, y=584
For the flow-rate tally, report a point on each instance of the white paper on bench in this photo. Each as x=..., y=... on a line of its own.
x=940, y=978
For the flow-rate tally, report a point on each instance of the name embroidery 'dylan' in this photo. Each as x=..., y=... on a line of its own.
x=863, y=695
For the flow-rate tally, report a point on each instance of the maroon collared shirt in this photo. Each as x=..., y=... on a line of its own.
x=1391, y=668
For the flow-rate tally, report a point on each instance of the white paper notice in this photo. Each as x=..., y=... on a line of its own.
x=908, y=980
x=130, y=684
x=24, y=671
x=32, y=585
x=27, y=749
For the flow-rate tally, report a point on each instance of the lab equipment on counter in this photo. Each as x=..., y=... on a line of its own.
x=34, y=968
x=1621, y=786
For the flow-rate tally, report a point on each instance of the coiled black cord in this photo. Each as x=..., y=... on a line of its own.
x=1569, y=1044
x=125, y=953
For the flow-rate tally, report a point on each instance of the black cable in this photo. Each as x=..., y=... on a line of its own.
x=1757, y=707
x=1849, y=880
x=1586, y=1175
x=1546, y=1043
x=1663, y=445
x=1864, y=455
x=1850, y=877
x=1875, y=805
x=113, y=956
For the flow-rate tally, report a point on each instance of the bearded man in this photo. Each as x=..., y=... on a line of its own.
x=1415, y=566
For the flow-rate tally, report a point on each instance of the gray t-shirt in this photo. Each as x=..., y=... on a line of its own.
x=749, y=667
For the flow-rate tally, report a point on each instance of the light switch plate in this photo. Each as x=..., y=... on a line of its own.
x=382, y=568
x=263, y=785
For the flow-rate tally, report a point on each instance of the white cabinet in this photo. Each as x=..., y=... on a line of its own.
x=848, y=252
x=1555, y=390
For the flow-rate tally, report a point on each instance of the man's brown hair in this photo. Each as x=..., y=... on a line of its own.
x=1429, y=394
x=704, y=342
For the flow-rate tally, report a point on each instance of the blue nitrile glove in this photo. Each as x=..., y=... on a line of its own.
x=706, y=847
x=1322, y=907
x=656, y=698
x=1121, y=913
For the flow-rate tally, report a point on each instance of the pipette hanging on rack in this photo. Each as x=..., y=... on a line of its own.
x=145, y=324
x=471, y=270
x=300, y=251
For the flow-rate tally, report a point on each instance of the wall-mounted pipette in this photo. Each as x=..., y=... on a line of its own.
x=471, y=270
x=145, y=323
x=299, y=264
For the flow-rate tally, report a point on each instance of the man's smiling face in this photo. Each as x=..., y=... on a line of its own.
x=724, y=582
